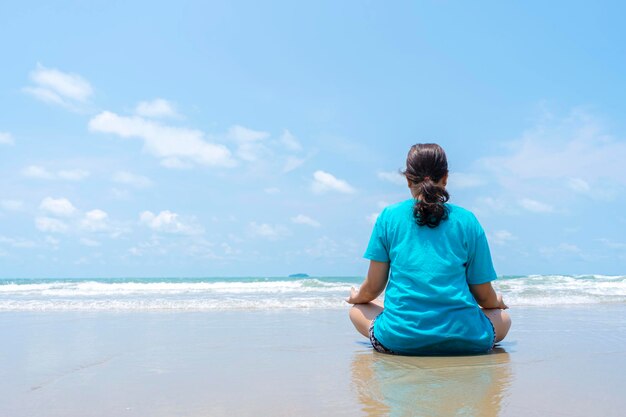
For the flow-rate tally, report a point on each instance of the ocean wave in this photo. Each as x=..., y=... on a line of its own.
x=171, y=305
x=215, y=294
x=88, y=288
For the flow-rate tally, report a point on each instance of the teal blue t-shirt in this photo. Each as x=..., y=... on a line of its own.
x=429, y=308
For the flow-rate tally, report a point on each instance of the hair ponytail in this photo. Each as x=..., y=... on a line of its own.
x=426, y=165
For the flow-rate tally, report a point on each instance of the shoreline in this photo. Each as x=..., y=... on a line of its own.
x=566, y=360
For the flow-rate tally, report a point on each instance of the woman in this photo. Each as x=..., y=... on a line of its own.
x=433, y=258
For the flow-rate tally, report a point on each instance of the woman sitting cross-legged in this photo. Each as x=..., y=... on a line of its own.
x=433, y=259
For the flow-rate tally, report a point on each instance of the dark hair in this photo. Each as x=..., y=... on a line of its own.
x=426, y=165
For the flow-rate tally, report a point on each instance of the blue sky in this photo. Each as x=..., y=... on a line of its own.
x=262, y=138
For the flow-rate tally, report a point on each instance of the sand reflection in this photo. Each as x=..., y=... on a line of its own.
x=431, y=386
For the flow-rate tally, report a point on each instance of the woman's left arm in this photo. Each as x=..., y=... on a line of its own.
x=374, y=284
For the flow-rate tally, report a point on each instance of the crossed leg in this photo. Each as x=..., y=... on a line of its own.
x=363, y=314
x=501, y=321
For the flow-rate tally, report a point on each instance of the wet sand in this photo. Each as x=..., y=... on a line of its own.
x=565, y=361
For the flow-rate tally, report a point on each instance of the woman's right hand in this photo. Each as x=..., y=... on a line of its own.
x=501, y=304
x=353, y=295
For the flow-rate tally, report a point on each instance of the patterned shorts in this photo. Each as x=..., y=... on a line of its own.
x=378, y=347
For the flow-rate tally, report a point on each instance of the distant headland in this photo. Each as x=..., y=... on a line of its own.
x=300, y=275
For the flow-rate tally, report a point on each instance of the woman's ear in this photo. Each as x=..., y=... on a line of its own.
x=444, y=180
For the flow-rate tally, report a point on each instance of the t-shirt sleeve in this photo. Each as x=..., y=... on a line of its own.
x=479, y=268
x=378, y=248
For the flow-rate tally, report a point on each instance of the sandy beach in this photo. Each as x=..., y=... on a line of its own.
x=193, y=192
x=565, y=361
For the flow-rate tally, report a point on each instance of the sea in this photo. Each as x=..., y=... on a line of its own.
x=270, y=293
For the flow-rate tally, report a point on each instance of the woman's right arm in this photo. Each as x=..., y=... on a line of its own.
x=486, y=297
x=373, y=286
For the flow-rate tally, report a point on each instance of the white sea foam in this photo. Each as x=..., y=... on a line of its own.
x=87, y=288
x=170, y=305
x=270, y=294
x=563, y=289
x=209, y=295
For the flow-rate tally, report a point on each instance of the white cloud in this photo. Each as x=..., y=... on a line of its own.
x=92, y=221
x=88, y=242
x=535, y=206
x=229, y=250
x=501, y=237
x=17, y=242
x=567, y=250
x=175, y=163
x=48, y=224
x=243, y=134
x=6, y=138
x=57, y=87
x=153, y=246
x=327, y=248
x=268, y=231
x=46, y=96
x=52, y=241
x=568, y=247
x=11, y=205
x=42, y=173
x=95, y=220
x=156, y=108
x=73, y=174
x=465, y=180
x=619, y=248
x=57, y=206
x=250, y=146
x=613, y=244
x=292, y=163
x=371, y=218
x=272, y=190
x=392, y=176
x=174, y=145
x=573, y=147
x=302, y=219
x=578, y=185
x=235, y=238
x=487, y=205
x=552, y=161
x=120, y=194
x=324, y=181
x=202, y=248
x=35, y=171
x=66, y=84
x=290, y=141
x=168, y=222
x=134, y=180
